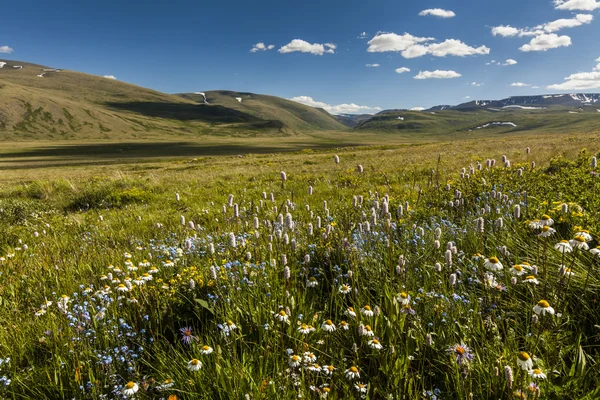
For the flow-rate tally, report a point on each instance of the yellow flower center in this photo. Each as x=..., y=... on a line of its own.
x=313, y=279
x=375, y=341
x=195, y=361
x=205, y=348
x=537, y=371
x=343, y=323
x=367, y=328
x=282, y=313
x=543, y=303
x=330, y=367
x=529, y=277
x=580, y=239
x=168, y=381
x=404, y=295
x=526, y=263
x=367, y=308
x=295, y=358
x=523, y=356
x=230, y=322
x=130, y=385
x=350, y=309
x=326, y=390
x=328, y=322
x=546, y=228
x=518, y=267
x=564, y=241
x=494, y=260
x=353, y=369
x=545, y=217
x=304, y=326
x=460, y=350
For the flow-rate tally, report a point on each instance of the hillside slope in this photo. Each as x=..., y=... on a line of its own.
x=294, y=116
x=449, y=122
x=37, y=102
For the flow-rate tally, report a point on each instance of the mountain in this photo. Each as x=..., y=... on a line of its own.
x=482, y=119
x=549, y=100
x=292, y=115
x=40, y=102
x=351, y=120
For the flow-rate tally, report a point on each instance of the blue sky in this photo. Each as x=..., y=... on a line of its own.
x=198, y=46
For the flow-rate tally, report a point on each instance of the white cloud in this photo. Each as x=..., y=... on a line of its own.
x=336, y=109
x=402, y=70
x=6, y=49
x=412, y=46
x=109, y=77
x=437, y=74
x=535, y=87
x=438, y=12
x=455, y=47
x=363, y=35
x=548, y=27
x=476, y=84
x=580, y=19
x=510, y=61
x=373, y=65
x=580, y=81
x=383, y=42
x=520, y=84
x=545, y=42
x=305, y=47
x=417, y=109
x=466, y=97
x=261, y=47
x=598, y=59
x=585, y=5
x=505, y=31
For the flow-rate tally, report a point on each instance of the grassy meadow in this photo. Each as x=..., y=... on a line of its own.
x=389, y=270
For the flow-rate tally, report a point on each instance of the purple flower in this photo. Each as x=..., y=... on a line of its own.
x=186, y=334
x=462, y=353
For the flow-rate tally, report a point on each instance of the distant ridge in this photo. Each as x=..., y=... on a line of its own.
x=547, y=100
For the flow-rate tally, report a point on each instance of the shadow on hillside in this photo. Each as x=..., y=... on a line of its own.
x=184, y=112
x=109, y=153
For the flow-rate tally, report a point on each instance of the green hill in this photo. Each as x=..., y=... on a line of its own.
x=449, y=122
x=294, y=116
x=37, y=102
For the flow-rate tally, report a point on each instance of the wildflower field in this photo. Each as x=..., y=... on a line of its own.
x=394, y=273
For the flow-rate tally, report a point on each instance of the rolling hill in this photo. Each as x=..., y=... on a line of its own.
x=574, y=112
x=39, y=102
x=292, y=115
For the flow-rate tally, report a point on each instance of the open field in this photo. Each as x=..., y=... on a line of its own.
x=126, y=267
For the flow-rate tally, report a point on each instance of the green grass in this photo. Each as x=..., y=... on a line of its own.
x=64, y=224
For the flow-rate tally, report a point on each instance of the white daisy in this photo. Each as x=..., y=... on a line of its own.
x=328, y=326
x=350, y=312
x=543, y=308
x=493, y=264
x=294, y=361
x=206, y=350
x=130, y=389
x=563, y=246
x=537, y=374
x=403, y=298
x=352, y=373
x=579, y=243
x=366, y=311
x=375, y=344
x=345, y=289
x=531, y=279
x=546, y=220
x=524, y=361
x=194, y=365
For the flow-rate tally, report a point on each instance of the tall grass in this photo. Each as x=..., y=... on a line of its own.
x=129, y=268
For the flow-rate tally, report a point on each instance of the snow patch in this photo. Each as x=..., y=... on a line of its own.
x=497, y=124
x=203, y=95
x=2, y=64
x=41, y=75
x=434, y=113
x=400, y=118
x=239, y=99
x=525, y=107
x=18, y=66
x=573, y=112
